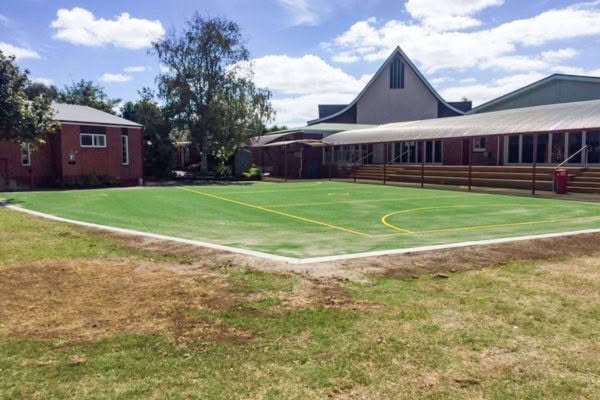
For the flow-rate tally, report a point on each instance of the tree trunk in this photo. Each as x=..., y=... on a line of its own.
x=204, y=159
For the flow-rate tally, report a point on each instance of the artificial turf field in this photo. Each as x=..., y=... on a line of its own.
x=314, y=219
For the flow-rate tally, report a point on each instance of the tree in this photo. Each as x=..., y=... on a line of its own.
x=86, y=93
x=208, y=87
x=22, y=121
x=159, y=151
x=36, y=89
x=275, y=128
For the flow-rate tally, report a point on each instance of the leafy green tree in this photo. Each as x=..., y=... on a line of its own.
x=208, y=87
x=86, y=93
x=36, y=89
x=22, y=121
x=159, y=150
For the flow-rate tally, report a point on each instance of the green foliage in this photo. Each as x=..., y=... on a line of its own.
x=95, y=181
x=22, y=121
x=86, y=93
x=35, y=89
x=208, y=89
x=253, y=174
x=159, y=149
x=274, y=128
x=224, y=171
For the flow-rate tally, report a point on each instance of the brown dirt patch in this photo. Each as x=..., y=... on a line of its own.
x=88, y=299
x=473, y=258
x=82, y=299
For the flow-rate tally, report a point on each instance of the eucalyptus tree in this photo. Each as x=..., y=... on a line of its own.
x=207, y=85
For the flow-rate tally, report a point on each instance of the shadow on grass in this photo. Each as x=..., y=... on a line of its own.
x=10, y=202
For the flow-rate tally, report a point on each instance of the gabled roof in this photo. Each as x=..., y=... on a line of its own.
x=532, y=86
x=88, y=115
x=396, y=52
x=561, y=117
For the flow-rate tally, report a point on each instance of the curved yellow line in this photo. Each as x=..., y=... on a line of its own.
x=405, y=231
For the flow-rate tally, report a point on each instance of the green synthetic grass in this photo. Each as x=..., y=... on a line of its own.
x=316, y=218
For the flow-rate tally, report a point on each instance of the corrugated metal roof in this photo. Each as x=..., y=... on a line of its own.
x=89, y=115
x=534, y=85
x=319, y=128
x=308, y=142
x=555, y=117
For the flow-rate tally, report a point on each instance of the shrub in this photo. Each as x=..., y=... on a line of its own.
x=253, y=174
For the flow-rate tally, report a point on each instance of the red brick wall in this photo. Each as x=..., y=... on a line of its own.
x=50, y=163
x=42, y=170
x=454, y=153
x=101, y=161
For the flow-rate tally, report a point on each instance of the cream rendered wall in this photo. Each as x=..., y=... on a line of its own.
x=380, y=104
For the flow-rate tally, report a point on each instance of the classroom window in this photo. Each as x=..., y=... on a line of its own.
x=93, y=140
x=124, y=150
x=26, y=154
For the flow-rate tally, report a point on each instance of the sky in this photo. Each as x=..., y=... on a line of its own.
x=310, y=52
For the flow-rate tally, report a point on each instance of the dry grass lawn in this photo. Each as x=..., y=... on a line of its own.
x=85, y=314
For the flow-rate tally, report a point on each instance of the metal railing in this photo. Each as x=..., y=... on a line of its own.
x=584, y=157
x=400, y=156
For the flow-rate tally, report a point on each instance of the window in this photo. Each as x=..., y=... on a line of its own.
x=397, y=74
x=124, y=150
x=93, y=140
x=479, y=144
x=26, y=154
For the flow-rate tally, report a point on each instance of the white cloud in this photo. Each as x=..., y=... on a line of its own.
x=164, y=69
x=299, y=84
x=345, y=58
x=559, y=55
x=440, y=80
x=115, y=78
x=81, y=27
x=467, y=81
x=295, y=111
x=444, y=15
x=43, y=81
x=134, y=69
x=304, y=75
x=454, y=49
x=19, y=52
x=482, y=93
x=302, y=12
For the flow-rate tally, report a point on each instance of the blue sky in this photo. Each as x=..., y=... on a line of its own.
x=309, y=52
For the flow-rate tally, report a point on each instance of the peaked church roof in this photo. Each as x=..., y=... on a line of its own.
x=396, y=52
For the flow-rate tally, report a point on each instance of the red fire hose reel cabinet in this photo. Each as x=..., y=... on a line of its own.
x=561, y=181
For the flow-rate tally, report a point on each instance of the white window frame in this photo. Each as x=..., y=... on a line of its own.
x=94, y=136
x=26, y=147
x=478, y=147
x=125, y=149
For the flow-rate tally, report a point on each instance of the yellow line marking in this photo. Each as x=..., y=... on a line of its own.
x=363, y=201
x=275, y=212
x=405, y=232
x=347, y=189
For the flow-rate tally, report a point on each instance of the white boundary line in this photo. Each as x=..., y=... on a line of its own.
x=155, y=236
x=292, y=260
